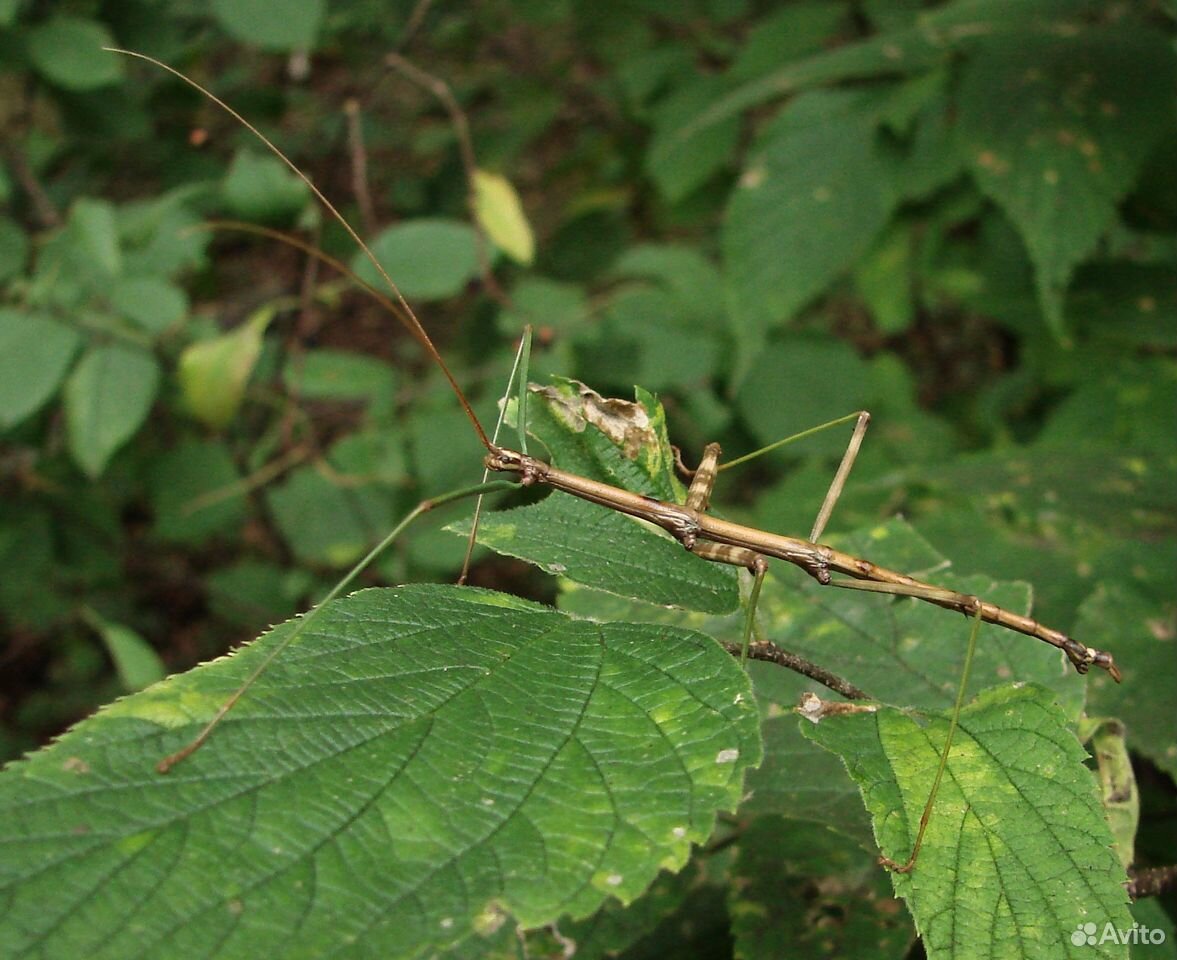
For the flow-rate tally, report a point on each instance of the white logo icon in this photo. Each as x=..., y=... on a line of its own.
x=1089, y=934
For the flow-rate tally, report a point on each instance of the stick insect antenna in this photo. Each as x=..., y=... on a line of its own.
x=405, y=314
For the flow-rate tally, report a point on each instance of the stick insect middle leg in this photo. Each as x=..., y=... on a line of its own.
x=699, y=499
x=839, y=481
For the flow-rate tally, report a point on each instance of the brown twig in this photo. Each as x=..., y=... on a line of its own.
x=19, y=121
x=440, y=89
x=768, y=651
x=359, y=165
x=413, y=23
x=1151, y=881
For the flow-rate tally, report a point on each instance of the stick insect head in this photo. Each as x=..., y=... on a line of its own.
x=529, y=469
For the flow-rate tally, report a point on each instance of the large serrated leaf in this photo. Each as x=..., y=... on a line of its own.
x=419, y=764
x=1055, y=128
x=1018, y=853
x=810, y=202
x=609, y=551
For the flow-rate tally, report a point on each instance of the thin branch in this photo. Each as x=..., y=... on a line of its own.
x=413, y=23
x=440, y=89
x=768, y=651
x=359, y=165
x=1151, y=881
x=44, y=210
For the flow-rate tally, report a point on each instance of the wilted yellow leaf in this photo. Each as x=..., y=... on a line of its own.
x=213, y=373
x=500, y=214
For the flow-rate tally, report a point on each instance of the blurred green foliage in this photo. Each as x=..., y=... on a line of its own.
x=960, y=217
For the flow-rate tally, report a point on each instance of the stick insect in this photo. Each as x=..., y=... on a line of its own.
x=689, y=523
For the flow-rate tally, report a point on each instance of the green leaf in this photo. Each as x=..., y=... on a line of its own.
x=619, y=442
x=213, y=373
x=326, y=374
x=1140, y=630
x=663, y=348
x=606, y=550
x=1017, y=853
x=371, y=456
x=259, y=187
x=94, y=229
x=679, y=164
x=29, y=559
x=690, y=278
x=813, y=197
x=623, y=444
x=474, y=757
x=67, y=51
x=250, y=592
x=1090, y=102
x=929, y=43
x=809, y=893
x=787, y=35
x=137, y=664
x=905, y=651
x=195, y=492
x=795, y=781
x=903, y=52
x=325, y=522
x=500, y=214
x=14, y=250
x=884, y=279
x=35, y=353
x=544, y=303
x=272, y=24
x=151, y=303
x=1121, y=405
x=605, y=934
x=795, y=386
x=443, y=448
x=107, y=398
x=160, y=236
x=427, y=259
x=1039, y=479
x=1117, y=783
